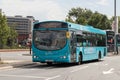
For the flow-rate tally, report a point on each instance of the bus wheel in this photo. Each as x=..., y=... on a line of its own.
x=99, y=56
x=49, y=63
x=80, y=60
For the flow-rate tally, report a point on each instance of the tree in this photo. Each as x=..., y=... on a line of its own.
x=99, y=21
x=87, y=17
x=4, y=30
x=7, y=34
x=112, y=19
x=79, y=15
x=119, y=23
x=12, y=37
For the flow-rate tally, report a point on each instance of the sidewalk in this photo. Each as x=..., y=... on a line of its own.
x=112, y=54
x=13, y=50
x=5, y=66
x=9, y=64
x=16, y=57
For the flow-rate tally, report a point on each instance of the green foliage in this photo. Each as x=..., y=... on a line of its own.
x=6, y=33
x=87, y=17
x=11, y=41
x=119, y=23
x=79, y=15
x=99, y=21
x=112, y=19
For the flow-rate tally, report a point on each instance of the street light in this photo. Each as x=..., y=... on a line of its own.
x=115, y=28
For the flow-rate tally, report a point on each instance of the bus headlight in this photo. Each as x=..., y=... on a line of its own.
x=63, y=57
x=35, y=57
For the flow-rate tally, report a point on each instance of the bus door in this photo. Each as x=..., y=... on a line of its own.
x=73, y=45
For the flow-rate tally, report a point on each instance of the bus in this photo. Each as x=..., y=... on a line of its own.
x=111, y=36
x=110, y=40
x=65, y=42
x=118, y=43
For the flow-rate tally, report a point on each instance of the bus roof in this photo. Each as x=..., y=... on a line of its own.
x=86, y=28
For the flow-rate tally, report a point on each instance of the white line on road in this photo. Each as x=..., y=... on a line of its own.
x=53, y=77
x=77, y=69
x=23, y=76
x=106, y=64
x=109, y=71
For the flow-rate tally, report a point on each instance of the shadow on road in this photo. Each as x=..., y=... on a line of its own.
x=52, y=66
x=43, y=65
x=92, y=61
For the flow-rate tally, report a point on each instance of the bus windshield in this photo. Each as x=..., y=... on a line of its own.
x=49, y=40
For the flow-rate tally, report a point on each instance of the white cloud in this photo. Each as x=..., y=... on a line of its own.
x=92, y=5
x=54, y=11
x=103, y=2
x=40, y=9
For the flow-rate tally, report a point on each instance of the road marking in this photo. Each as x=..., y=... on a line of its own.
x=53, y=77
x=106, y=64
x=23, y=76
x=46, y=78
x=77, y=69
x=109, y=71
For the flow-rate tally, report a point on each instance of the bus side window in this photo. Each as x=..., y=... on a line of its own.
x=73, y=38
x=89, y=43
x=79, y=40
x=84, y=43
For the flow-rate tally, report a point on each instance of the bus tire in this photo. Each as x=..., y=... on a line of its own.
x=99, y=56
x=80, y=59
x=49, y=63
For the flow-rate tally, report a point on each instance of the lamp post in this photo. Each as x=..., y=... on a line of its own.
x=115, y=28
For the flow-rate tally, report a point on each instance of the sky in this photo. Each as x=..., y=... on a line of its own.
x=55, y=9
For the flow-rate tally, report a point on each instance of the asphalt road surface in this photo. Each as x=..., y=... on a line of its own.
x=15, y=56
x=106, y=69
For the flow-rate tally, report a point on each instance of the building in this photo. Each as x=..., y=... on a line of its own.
x=23, y=26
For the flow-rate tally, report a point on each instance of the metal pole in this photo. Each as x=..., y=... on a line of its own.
x=115, y=26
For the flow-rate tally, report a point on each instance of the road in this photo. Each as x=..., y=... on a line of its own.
x=15, y=56
x=106, y=69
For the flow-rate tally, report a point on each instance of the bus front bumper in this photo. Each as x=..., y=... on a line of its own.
x=55, y=59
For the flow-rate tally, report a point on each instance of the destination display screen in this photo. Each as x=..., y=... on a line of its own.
x=51, y=25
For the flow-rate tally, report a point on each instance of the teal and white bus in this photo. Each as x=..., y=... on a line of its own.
x=65, y=42
x=110, y=40
x=118, y=43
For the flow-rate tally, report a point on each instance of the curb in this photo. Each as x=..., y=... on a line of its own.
x=12, y=61
x=6, y=67
x=112, y=54
x=8, y=64
x=27, y=54
x=13, y=50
